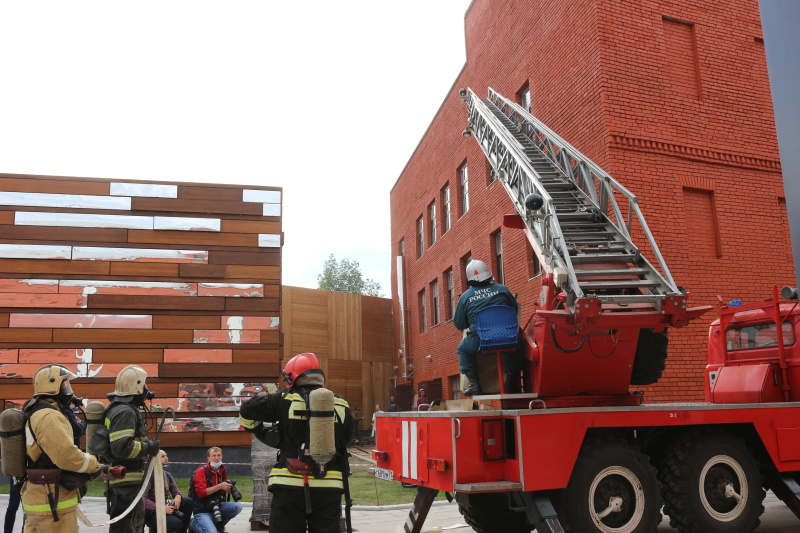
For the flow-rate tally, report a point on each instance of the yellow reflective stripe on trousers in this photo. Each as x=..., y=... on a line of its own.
x=130, y=476
x=45, y=507
x=282, y=476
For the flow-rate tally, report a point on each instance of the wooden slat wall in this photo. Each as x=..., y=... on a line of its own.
x=103, y=292
x=352, y=336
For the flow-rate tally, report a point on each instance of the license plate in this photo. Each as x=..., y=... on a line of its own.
x=383, y=473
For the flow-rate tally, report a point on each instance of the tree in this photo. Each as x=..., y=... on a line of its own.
x=345, y=276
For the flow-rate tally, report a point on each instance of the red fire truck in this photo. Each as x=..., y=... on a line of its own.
x=577, y=450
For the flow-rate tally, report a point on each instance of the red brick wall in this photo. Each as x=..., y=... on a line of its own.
x=670, y=98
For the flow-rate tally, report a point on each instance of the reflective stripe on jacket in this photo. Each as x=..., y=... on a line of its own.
x=126, y=434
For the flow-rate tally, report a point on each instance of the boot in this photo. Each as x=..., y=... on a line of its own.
x=511, y=382
x=474, y=386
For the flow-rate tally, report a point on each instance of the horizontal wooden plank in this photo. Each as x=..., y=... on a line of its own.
x=187, y=438
x=55, y=355
x=41, y=286
x=266, y=258
x=225, y=336
x=4, y=317
x=68, y=234
x=57, y=266
x=54, y=320
x=261, y=305
x=196, y=303
x=239, y=290
x=26, y=335
x=186, y=321
x=192, y=238
x=250, y=226
x=270, y=337
x=162, y=270
x=7, y=217
x=209, y=193
x=249, y=322
x=16, y=391
x=256, y=273
x=9, y=355
x=226, y=438
x=154, y=336
x=187, y=270
x=127, y=355
x=142, y=288
x=53, y=186
x=170, y=205
x=63, y=301
x=197, y=355
x=256, y=356
x=266, y=372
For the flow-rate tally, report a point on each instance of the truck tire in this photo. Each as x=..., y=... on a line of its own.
x=696, y=471
x=490, y=513
x=613, y=488
x=651, y=357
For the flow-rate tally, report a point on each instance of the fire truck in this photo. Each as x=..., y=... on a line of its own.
x=578, y=450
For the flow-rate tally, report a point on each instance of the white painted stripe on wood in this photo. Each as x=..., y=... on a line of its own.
x=187, y=224
x=148, y=190
x=73, y=201
x=82, y=220
x=34, y=251
x=269, y=240
x=272, y=210
x=263, y=197
x=145, y=255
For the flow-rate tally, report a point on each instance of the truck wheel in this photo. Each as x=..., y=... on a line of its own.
x=490, y=513
x=711, y=482
x=651, y=357
x=613, y=489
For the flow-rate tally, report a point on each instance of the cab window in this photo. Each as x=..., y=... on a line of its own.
x=758, y=336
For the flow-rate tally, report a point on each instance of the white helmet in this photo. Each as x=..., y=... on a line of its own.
x=478, y=271
x=130, y=381
x=49, y=380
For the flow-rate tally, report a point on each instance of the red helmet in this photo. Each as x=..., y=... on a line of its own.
x=299, y=365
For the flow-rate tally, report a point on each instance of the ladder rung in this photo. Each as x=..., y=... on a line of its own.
x=612, y=272
x=619, y=284
x=602, y=258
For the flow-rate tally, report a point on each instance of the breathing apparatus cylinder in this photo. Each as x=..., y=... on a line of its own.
x=95, y=413
x=12, y=443
x=322, y=438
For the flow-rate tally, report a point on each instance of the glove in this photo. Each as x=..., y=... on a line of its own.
x=152, y=447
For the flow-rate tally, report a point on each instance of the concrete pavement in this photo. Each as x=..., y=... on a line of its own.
x=390, y=519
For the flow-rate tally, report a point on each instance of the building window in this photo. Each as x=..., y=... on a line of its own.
x=450, y=303
x=455, y=386
x=524, y=97
x=463, y=177
x=402, y=247
x=446, y=205
x=498, y=257
x=435, y=294
x=432, y=219
x=534, y=266
x=420, y=237
x=464, y=262
x=423, y=312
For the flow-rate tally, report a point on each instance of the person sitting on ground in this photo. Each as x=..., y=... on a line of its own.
x=212, y=488
x=178, y=508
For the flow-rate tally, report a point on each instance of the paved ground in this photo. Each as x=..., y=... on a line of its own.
x=776, y=519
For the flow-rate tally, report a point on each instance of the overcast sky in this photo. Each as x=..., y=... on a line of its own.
x=325, y=99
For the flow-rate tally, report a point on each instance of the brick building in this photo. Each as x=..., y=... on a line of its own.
x=671, y=98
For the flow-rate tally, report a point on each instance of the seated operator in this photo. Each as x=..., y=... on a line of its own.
x=482, y=293
x=178, y=508
x=212, y=510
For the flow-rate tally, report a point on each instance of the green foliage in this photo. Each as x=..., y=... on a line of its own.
x=345, y=276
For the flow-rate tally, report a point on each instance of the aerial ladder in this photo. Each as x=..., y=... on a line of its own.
x=601, y=321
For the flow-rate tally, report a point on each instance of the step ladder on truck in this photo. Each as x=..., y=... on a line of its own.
x=576, y=450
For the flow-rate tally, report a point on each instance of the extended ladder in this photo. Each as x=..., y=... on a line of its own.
x=580, y=231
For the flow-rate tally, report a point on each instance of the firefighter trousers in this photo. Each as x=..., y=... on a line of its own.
x=43, y=523
x=288, y=514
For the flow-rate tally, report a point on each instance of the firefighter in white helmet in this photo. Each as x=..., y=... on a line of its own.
x=50, y=507
x=129, y=446
x=482, y=293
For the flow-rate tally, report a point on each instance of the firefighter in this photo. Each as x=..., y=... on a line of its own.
x=50, y=507
x=480, y=294
x=304, y=493
x=129, y=447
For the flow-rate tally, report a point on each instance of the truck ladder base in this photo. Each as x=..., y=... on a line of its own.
x=539, y=510
x=419, y=509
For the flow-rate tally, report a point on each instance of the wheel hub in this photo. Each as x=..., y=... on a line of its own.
x=723, y=488
x=616, y=500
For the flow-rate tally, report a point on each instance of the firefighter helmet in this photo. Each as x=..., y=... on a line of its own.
x=130, y=381
x=478, y=271
x=48, y=380
x=299, y=365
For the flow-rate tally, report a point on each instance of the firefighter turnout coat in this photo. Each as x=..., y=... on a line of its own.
x=287, y=408
x=53, y=437
x=127, y=433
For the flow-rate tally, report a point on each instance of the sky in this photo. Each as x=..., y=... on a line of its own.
x=325, y=99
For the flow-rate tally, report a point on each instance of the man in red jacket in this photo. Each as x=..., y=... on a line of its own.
x=212, y=491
